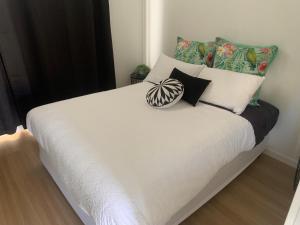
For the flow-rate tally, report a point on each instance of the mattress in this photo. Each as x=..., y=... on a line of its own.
x=125, y=163
x=262, y=118
x=223, y=177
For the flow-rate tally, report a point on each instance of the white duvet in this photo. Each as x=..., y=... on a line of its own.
x=126, y=163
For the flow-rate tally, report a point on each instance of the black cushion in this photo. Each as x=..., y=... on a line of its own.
x=194, y=87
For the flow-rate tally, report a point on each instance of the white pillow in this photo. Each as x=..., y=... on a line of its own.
x=229, y=89
x=165, y=65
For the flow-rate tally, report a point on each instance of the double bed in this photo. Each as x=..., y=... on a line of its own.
x=120, y=162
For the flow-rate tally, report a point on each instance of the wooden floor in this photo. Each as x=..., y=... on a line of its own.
x=28, y=196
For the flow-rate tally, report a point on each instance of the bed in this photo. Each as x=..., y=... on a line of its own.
x=120, y=162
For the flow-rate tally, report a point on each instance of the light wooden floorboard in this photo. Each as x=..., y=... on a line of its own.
x=28, y=196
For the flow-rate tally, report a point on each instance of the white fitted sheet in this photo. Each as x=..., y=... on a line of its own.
x=125, y=163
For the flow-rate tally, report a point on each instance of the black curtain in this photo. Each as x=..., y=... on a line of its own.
x=66, y=47
x=9, y=117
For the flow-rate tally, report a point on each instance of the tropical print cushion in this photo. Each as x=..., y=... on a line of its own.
x=241, y=58
x=195, y=52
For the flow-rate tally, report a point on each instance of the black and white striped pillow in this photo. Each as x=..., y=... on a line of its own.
x=165, y=94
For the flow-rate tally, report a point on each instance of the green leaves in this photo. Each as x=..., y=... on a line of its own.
x=251, y=56
x=202, y=50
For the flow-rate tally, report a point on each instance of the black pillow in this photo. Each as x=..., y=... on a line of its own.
x=193, y=86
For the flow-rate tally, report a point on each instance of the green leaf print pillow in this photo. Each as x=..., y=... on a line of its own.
x=195, y=52
x=241, y=58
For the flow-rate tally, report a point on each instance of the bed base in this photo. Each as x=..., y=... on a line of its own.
x=225, y=175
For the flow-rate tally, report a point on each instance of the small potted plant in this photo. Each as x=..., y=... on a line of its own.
x=140, y=73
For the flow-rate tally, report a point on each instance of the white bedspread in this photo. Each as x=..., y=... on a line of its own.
x=126, y=163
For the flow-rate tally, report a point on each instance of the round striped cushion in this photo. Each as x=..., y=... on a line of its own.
x=165, y=94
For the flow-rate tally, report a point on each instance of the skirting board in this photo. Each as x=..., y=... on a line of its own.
x=282, y=158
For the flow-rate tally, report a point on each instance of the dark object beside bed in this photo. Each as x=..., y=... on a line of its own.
x=263, y=118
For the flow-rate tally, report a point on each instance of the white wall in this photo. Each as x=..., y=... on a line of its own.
x=154, y=17
x=261, y=22
x=127, y=34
